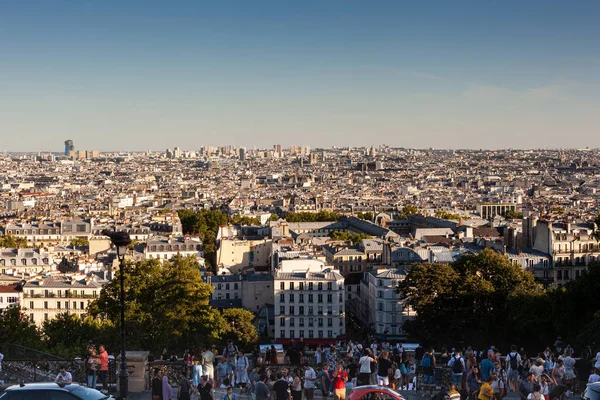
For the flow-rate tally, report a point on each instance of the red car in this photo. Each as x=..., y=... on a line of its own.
x=369, y=392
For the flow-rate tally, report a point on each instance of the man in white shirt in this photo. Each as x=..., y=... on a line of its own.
x=310, y=377
x=64, y=376
x=364, y=373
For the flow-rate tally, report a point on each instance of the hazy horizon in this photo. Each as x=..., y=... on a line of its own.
x=151, y=75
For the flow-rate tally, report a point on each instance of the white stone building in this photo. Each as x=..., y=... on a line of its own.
x=381, y=307
x=309, y=302
x=45, y=297
x=165, y=248
x=28, y=261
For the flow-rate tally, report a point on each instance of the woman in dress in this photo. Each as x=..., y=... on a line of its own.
x=241, y=371
x=297, y=386
x=167, y=390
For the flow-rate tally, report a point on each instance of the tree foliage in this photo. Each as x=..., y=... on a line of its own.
x=79, y=242
x=243, y=220
x=368, y=216
x=321, y=216
x=204, y=223
x=471, y=299
x=408, y=211
x=448, y=215
x=12, y=242
x=167, y=305
x=355, y=238
x=68, y=335
x=239, y=326
x=512, y=214
x=16, y=328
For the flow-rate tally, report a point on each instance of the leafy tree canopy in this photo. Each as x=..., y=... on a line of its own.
x=239, y=326
x=204, y=223
x=16, y=328
x=513, y=215
x=13, y=242
x=408, y=211
x=79, y=242
x=167, y=305
x=355, y=238
x=368, y=216
x=321, y=216
x=243, y=220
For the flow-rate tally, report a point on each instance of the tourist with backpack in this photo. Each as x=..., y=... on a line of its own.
x=428, y=366
x=513, y=360
x=457, y=364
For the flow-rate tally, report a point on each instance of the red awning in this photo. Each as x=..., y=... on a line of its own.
x=306, y=341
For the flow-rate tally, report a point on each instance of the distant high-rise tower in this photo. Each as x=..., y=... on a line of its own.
x=242, y=153
x=69, y=148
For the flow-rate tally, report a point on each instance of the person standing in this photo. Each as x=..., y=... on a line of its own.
x=513, y=360
x=457, y=364
x=261, y=389
x=92, y=368
x=383, y=369
x=310, y=377
x=156, y=386
x=428, y=366
x=340, y=377
x=205, y=389
x=297, y=386
x=527, y=385
x=185, y=388
x=208, y=363
x=241, y=370
x=281, y=388
x=364, y=363
x=325, y=381
x=167, y=390
x=103, y=374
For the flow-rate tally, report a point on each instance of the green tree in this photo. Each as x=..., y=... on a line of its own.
x=355, y=238
x=321, y=216
x=472, y=299
x=13, y=242
x=512, y=214
x=79, y=242
x=243, y=220
x=239, y=326
x=368, y=216
x=448, y=215
x=167, y=305
x=274, y=217
x=67, y=335
x=204, y=223
x=408, y=211
x=16, y=328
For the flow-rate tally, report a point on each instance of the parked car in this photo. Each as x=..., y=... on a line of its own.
x=592, y=392
x=52, y=391
x=368, y=392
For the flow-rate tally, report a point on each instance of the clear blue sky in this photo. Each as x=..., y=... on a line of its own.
x=138, y=75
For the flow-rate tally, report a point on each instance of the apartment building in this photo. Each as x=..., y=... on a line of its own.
x=380, y=306
x=46, y=297
x=165, y=248
x=309, y=302
x=10, y=296
x=35, y=232
x=28, y=261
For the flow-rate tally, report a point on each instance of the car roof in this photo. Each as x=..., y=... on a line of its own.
x=594, y=387
x=374, y=387
x=67, y=387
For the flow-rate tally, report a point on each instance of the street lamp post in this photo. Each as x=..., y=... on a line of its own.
x=121, y=240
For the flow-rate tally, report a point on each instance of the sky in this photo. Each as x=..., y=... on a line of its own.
x=150, y=75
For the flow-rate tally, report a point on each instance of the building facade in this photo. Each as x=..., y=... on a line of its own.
x=46, y=297
x=309, y=302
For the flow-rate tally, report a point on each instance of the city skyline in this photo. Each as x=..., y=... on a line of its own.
x=143, y=76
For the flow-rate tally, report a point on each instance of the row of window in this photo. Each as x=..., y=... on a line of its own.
x=320, y=321
x=227, y=286
x=227, y=296
x=310, y=309
x=33, y=232
x=46, y=319
x=176, y=247
x=308, y=286
x=311, y=334
x=32, y=261
x=59, y=305
x=9, y=300
x=311, y=298
x=67, y=293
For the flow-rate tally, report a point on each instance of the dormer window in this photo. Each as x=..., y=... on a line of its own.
x=45, y=261
x=23, y=261
x=34, y=261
